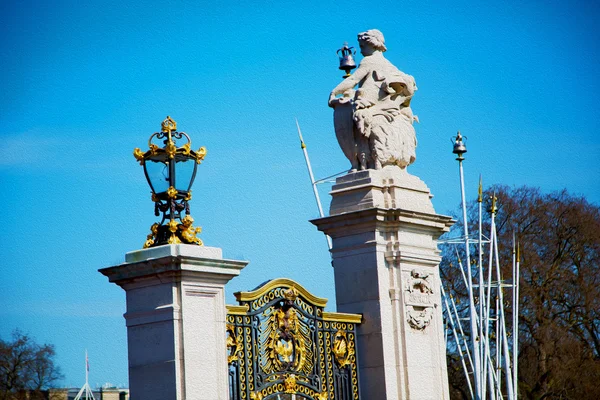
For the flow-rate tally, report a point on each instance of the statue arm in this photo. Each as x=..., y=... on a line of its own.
x=351, y=81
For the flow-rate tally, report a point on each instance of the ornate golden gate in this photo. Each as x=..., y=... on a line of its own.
x=282, y=345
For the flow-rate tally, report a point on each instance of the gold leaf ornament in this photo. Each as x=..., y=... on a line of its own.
x=152, y=236
x=173, y=226
x=172, y=192
x=200, y=154
x=290, y=384
x=342, y=349
x=256, y=396
x=171, y=149
x=189, y=232
x=139, y=155
x=234, y=345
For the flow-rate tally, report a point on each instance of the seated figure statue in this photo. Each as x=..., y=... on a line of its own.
x=374, y=123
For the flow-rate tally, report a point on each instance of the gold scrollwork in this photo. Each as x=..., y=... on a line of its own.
x=234, y=345
x=288, y=344
x=188, y=197
x=186, y=149
x=139, y=155
x=256, y=396
x=172, y=192
x=290, y=384
x=173, y=229
x=152, y=236
x=189, y=232
x=341, y=349
x=173, y=226
x=174, y=239
x=322, y=396
x=153, y=149
x=200, y=154
x=171, y=149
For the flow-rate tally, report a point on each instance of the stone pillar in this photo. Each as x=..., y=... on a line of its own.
x=385, y=258
x=176, y=321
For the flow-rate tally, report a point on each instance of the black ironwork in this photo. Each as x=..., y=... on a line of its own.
x=285, y=344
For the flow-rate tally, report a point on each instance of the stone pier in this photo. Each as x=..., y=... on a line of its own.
x=176, y=321
x=385, y=256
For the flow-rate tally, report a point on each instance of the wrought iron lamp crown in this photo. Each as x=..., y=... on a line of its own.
x=170, y=167
x=346, y=55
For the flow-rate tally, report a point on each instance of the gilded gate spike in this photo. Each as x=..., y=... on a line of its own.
x=480, y=191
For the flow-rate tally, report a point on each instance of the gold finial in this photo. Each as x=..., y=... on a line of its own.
x=518, y=251
x=168, y=125
x=494, y=208
x=480, y=191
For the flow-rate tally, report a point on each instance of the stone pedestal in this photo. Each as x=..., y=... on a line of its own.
x=176, y=321
x=384, y=231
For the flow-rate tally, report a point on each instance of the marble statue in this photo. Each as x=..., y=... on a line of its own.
x=374, y=122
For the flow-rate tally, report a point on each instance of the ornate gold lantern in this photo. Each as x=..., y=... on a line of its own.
x=170, y=168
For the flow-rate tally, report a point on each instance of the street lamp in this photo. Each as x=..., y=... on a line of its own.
x=170, y=170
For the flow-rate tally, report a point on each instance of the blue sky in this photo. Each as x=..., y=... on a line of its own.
x=86, y=82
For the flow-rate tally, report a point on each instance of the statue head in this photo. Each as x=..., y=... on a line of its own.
x=371, y=41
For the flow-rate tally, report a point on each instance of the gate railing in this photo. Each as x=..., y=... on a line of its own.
x=281, y=345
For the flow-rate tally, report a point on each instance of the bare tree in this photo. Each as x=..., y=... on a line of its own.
x=26, y=366
x=559, y=322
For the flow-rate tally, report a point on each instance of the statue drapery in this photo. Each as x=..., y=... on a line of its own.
x=374, y=123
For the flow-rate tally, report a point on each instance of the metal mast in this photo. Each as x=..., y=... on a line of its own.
x=86, y=391
x=459, y=150
x=312, y=179
x=489, y=333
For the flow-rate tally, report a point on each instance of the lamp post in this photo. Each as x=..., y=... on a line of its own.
x=170, y=169
x=460, y=149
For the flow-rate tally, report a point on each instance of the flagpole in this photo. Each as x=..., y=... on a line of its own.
x=87, y=368
x=312, y=179
x=459, y=150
